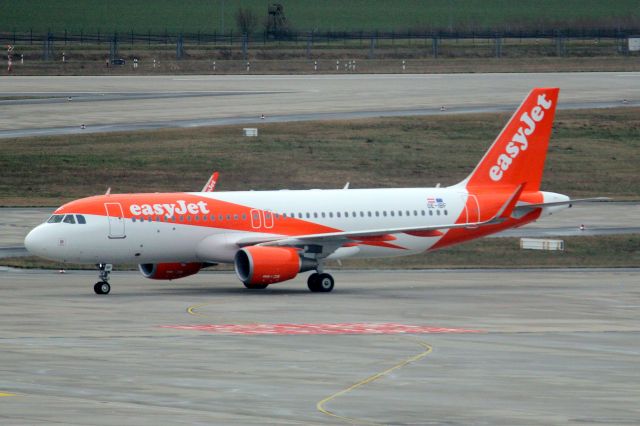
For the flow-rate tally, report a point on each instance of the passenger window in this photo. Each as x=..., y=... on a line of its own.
x=384, y=213
x=422, y=212
x=392, y=213
x=69, y=219
x=361, y=214
x=308, y=215
x=446, y=213
x=133, y=219
x=399, y=212
x=330, y=214
x=438, y=212
x=369, y=214
x=220, y=218
x=81, y=219
x=377, y=213
x=415, y=212
x=228, y=217
x=408, y=213
x=430, y=212
x=235, y=217
x=244, y=216
x=346, y=214
x=323, y=215
x=56, y=218
x=204, y=218
x=337, y=214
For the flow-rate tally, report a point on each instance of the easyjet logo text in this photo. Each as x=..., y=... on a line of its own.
x=179, y=207
x=519, y=141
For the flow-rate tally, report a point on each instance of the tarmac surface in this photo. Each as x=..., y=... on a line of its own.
x=36, y=106
x=499, y=347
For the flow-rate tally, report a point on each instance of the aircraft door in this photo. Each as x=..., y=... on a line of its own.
x=473, y=209
x=116, y=220
x=256, y=221
x=268, y=219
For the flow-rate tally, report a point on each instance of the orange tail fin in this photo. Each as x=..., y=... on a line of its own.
x=517, y=155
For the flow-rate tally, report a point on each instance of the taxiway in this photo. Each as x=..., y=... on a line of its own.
x=37, y=106
x=537, y=347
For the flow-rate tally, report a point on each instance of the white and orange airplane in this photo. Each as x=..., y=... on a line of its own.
x=271, y=236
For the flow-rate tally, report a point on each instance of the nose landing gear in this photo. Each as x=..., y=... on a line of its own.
x=102, y=286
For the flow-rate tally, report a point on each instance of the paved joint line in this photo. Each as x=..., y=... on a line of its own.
x=321, y=404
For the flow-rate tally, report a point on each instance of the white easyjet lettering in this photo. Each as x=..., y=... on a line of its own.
x=180, y=207
x=519, y=141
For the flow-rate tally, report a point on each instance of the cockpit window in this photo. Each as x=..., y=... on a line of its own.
x=56, y=218
x=81, y=219
x=69, y=219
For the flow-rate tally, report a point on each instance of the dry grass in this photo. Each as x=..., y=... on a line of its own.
x=592, y=153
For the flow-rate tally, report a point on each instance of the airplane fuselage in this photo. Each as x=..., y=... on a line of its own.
x=209, y=227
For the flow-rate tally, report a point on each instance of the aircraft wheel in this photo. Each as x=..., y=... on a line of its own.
x=320, y=283
x=256, y=286
x=102, y=287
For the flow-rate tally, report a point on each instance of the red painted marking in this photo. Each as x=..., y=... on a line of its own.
x=339, y=328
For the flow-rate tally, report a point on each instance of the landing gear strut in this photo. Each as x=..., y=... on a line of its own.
x=320, y=283
x=102, y=286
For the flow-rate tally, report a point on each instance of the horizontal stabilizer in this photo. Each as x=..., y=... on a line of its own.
x=528, y=207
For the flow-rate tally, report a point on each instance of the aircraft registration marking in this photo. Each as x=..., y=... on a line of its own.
x=313, y=329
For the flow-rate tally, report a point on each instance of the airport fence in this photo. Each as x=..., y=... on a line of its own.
x=361, y=44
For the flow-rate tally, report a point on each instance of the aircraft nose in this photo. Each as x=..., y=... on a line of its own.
x=33, y=242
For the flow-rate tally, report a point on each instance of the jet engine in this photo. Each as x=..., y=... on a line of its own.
x=259, y=266
x=169, y=271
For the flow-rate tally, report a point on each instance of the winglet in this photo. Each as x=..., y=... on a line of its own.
x=507, y=208
x=210, y=186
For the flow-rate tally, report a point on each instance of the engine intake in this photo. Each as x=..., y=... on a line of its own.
x=268, y=265
x=169, y=271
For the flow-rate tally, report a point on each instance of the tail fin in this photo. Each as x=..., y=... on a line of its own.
x=517, y=155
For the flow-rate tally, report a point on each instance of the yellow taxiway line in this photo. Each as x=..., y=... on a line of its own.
x=320, y=405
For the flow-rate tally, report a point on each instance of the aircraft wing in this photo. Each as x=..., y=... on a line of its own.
x=381, y=234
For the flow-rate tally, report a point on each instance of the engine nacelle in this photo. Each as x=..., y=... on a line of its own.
x=268, y=265
x=169, y=271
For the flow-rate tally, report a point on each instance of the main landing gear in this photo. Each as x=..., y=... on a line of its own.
x=102, y=286
x=320, y=283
